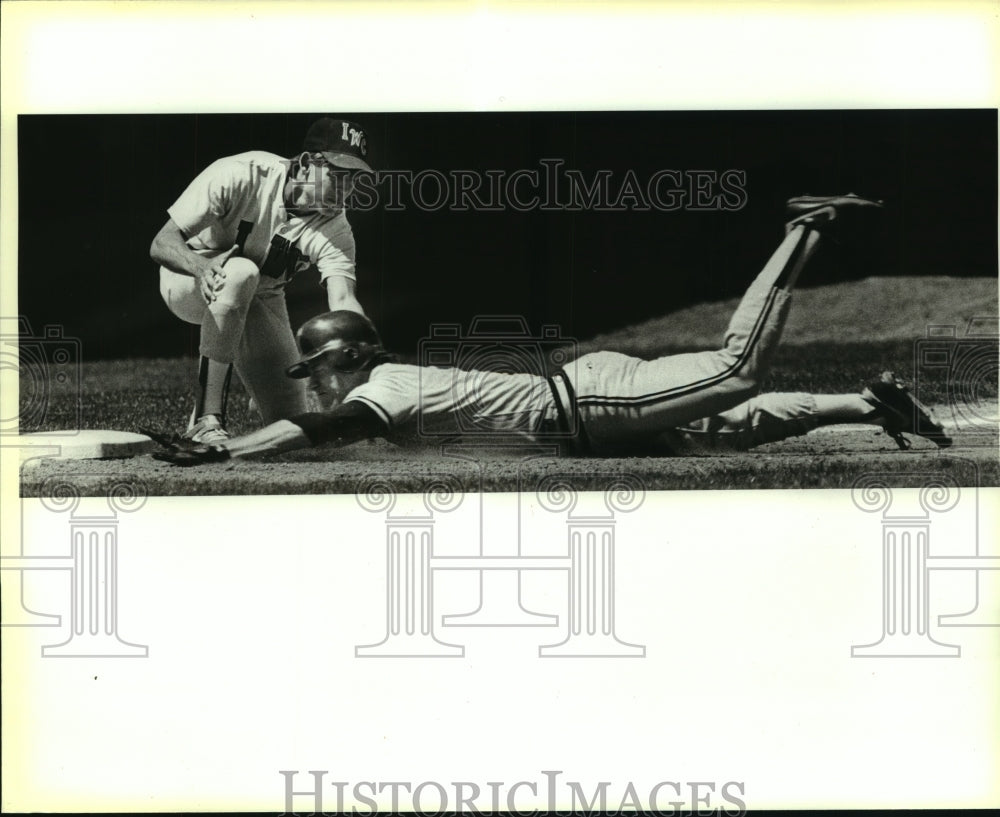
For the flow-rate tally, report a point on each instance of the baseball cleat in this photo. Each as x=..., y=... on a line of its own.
x=901, y=412
x=817, y=211
x=207, y=431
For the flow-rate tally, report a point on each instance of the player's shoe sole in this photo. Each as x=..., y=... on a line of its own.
x=901, y=412
x=819, y=211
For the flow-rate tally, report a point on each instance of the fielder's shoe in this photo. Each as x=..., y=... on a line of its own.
x=819, y=211
x=207, y=431
x=900, y=411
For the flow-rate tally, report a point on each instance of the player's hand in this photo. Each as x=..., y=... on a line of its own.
x=179, y=450
x=186, y=457
x=212, y=275
x=170, y=441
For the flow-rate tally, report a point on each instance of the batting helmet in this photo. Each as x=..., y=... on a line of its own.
x=349, y=340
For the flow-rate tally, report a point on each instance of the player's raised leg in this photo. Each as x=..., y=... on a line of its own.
x=619, y=396
x=755, y=328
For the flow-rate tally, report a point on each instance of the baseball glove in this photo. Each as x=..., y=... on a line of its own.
x=180, y=451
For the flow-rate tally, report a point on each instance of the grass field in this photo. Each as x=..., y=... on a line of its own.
x=817, y=356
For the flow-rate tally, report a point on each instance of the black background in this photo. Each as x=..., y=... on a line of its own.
x=94, y=190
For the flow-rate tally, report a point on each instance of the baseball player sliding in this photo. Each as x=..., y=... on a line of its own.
x=607, y=403
x=236, y=236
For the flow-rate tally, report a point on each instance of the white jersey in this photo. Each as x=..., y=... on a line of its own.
x=454, y=401
x=239, y=199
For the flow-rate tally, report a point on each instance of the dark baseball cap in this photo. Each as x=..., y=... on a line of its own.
x=343, y=143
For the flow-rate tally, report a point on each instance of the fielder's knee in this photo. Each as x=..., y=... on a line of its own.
x=242, y=277
x=180, y=294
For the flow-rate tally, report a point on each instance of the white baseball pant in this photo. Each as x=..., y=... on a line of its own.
x=766, y=418
x=248, y=326
x=621, y=399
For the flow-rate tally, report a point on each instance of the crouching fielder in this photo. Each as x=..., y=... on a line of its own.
x=236, y=236
x=603, y=403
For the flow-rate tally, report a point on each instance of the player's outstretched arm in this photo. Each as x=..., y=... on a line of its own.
x=346, y=424
x=282, y=435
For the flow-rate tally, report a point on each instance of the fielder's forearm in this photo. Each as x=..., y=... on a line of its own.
x=282, y=435
x=340, y=294
x=169, y=249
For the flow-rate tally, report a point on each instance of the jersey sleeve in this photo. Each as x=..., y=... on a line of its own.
x=208, y=198
x=392, y=393
x=335, y=251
